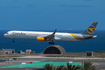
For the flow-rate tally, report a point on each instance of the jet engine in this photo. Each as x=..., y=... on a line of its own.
x=41, y=39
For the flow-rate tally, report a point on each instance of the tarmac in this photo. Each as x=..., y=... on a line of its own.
x=99, y=63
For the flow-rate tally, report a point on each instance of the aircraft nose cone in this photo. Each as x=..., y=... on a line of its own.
x=5, y=35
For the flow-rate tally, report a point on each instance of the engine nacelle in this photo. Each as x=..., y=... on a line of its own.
x=41, y=39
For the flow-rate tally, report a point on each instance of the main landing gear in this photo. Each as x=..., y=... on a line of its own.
x=51, y=42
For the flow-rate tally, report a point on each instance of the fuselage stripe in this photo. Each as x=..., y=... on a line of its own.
x=74, y=36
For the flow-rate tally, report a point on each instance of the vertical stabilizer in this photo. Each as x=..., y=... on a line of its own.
x=90, y=30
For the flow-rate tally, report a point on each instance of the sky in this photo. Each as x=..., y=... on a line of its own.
x=51, y=14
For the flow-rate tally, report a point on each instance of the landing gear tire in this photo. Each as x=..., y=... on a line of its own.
x=51, y=43
x=13, y=40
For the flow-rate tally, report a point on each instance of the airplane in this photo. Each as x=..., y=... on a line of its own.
x=50, y=36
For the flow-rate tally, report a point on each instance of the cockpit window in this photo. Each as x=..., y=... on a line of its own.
x=6, y=33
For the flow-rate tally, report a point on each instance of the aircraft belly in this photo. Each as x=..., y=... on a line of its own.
x=26, y=36
x=20, y=36
x=68, y=38
x=72, y=37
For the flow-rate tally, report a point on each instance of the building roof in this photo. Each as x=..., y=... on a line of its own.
x=58, y=49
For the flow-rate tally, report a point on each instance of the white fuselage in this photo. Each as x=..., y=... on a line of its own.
x=50, y=36
x=35, y=34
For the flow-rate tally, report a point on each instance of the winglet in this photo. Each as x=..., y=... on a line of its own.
x=90, y=30
x=66, y=31
x=55, y=31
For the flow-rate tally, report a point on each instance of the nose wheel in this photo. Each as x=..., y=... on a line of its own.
x=13, y=40
x=51, y=42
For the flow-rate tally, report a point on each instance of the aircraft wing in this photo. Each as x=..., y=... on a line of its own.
x=50, y=37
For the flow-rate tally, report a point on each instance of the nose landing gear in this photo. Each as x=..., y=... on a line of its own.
x=13, y=40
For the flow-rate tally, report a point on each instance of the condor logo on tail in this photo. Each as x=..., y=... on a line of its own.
x=91, y=29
